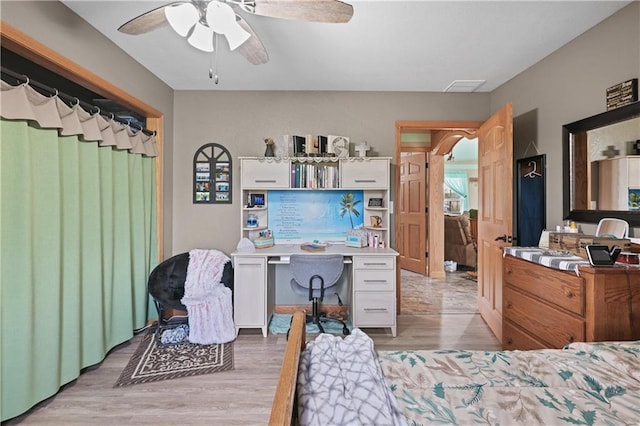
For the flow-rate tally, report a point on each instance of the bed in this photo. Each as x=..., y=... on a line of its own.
x=584, y=383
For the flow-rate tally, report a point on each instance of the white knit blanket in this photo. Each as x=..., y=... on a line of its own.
x=207, y=300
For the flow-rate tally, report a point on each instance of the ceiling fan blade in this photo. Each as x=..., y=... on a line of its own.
x=333, y=11
x=252, y=49
x=148, y=21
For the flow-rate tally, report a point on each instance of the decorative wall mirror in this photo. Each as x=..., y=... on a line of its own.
x=601, y=166
x=212, y=175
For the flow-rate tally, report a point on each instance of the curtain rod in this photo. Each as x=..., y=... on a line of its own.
x=71, y=100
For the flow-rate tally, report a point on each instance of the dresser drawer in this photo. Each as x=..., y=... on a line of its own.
x=563, y=289
x=373, y=309
x=374, y=262
x=365, y=174
x=373, y=280
x=265, y=174
x=543, y=321
x=515, y=339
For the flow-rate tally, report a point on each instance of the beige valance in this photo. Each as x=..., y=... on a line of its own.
x=22, y=102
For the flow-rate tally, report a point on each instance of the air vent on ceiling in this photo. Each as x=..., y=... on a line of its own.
x=464, y=85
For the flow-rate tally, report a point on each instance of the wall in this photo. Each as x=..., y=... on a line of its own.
x=566, y=86
x=56, y=26
x=241, y=120
x=569, y=85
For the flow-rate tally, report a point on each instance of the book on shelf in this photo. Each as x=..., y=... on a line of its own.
x=311, y=145
x=287, y=143
x=299, y=145
x=322, y=144
x=307, y=175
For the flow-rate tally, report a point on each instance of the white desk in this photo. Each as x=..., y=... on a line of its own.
x=373, y=284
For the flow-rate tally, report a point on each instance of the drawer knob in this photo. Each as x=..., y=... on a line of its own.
x=509, y=305
x=509, y=341
x=571, y=339
x=568, y=293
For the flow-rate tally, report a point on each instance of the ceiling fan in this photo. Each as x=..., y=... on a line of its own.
x=201, y=20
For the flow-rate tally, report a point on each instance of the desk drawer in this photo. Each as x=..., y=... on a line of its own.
x=560, y=288
x=541, y=320
x=374, y=262
x=374, y=309
x=373, y=280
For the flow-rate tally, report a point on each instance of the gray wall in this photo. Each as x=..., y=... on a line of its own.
x=566, y=86
x=59, y=28
x=569, y=85
x=241, y=120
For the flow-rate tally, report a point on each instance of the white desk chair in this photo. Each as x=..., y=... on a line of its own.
x=611, y=226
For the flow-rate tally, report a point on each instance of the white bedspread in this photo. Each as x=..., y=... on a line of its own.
x=340, y=382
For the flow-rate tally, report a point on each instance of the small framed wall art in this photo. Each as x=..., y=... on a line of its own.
x=212, y=175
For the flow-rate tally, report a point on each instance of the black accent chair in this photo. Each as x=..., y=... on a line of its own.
x=166, y=287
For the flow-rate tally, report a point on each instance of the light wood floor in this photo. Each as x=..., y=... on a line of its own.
x=239, y=397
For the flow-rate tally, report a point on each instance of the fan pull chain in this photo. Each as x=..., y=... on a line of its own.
x=214, y=61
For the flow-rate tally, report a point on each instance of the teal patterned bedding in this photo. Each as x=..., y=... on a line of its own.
x=583, y=384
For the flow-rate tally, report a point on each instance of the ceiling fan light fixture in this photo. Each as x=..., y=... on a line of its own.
x=236, y=37
x=182, y=17
x=222, y=19
x=201, y=38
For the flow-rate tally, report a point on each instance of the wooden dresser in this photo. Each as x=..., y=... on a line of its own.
x=549, y=308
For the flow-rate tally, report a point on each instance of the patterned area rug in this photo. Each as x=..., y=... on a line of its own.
x=152, y=363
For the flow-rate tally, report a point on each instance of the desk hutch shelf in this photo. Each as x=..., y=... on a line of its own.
x=369, y=174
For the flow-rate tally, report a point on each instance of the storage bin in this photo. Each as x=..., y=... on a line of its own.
x=450, y=266
x=263, y=242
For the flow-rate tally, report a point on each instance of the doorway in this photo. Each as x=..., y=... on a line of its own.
x=495, y=190
x=419, y=230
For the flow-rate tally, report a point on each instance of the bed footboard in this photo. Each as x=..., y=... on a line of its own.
x=284, y=401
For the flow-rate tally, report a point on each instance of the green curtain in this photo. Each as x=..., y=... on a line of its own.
x=78, y=240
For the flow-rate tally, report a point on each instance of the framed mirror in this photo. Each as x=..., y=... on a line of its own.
x=601, y=166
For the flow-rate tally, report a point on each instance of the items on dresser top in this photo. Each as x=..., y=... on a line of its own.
x=577, y=243
x=629, y=258
x=556, y=259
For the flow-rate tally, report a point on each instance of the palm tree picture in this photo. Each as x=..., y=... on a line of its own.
x=348, y=205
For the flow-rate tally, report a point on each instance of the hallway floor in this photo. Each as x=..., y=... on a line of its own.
x=455, y=294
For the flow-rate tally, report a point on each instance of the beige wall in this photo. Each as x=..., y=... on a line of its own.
x=566, y=86
x=241, y=120
x=56, y=26
x=569, y=85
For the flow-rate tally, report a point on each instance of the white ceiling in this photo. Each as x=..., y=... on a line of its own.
x=387, y=46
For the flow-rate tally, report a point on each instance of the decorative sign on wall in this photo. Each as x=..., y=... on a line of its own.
x=212, y=175
x=622, y=94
